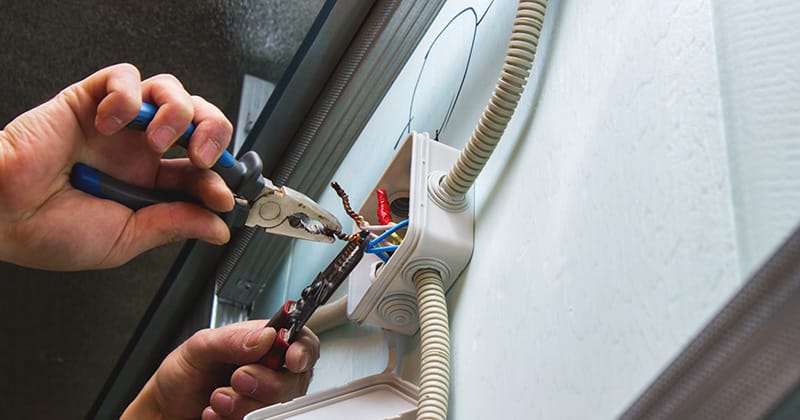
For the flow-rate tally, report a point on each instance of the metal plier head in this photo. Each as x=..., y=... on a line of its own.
x=281, y=211
x=284, y=211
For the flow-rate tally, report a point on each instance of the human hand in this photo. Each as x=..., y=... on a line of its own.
x=46, y=223
x=201, y=368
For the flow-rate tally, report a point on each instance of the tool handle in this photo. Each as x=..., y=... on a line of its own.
x=99, y=184
x=242, y=176
x=276, y=356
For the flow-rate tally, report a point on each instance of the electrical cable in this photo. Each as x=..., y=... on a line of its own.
x=388, y=233
x=391, y=248
x=498, y=112
x=378, y=228
x=434, y=382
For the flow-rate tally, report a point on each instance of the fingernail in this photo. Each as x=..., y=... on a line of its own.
x=305, y=358
x=222, y=403
x=162, y=138
x=254, y=338
x=210, y=414
x=208, y=152
x=246, y=383
x=109, y=124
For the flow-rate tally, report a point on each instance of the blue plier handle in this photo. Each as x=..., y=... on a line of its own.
x=243, y=177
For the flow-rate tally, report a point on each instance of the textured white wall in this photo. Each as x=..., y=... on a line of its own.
x=606, y=229
x=605, y=235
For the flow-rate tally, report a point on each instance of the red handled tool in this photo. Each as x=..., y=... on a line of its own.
x=293, y=315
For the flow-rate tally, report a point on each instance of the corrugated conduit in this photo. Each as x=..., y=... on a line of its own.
x=451, y=192
x=434, y=382
x=498, y=112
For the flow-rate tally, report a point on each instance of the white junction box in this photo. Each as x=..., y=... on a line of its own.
x=383, y=294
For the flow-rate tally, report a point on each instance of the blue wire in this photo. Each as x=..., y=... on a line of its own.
x=381, y=255
x=386, y=234
x=374, y=250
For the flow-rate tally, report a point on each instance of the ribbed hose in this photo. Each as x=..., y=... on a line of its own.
x=434, y=383
x=519, y=61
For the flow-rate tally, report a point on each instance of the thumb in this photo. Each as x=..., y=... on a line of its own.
x=163, y=223
x=235, y=344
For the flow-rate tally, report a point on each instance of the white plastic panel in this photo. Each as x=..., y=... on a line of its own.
x=383, y=396
x=758, y=48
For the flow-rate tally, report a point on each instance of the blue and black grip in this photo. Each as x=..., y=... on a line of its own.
x=243, y=177
x=102, y=185
x=99, y=184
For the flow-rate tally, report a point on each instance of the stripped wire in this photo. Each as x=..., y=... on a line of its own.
x=317, y=228
x=359, y=219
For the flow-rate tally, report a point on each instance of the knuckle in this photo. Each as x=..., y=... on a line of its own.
x=168, y=78
x=200, y=338
x=200, y=99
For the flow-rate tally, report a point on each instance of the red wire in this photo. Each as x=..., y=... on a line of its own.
x=384, y=214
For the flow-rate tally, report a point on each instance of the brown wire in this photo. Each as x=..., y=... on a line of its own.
x=359, y=219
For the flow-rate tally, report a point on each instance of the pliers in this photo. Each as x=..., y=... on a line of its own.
x=289, y=320
x=279, y=210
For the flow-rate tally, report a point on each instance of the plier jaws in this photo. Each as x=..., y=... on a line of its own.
x=284, y=211
x=279, y=210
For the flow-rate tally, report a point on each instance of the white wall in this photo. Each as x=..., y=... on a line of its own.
x=605, y=222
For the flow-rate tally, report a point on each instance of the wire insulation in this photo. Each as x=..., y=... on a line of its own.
x=384, y=213
x=388, y=233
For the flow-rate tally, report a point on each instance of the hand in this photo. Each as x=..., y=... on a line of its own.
x=46, y=223
x=201, y=368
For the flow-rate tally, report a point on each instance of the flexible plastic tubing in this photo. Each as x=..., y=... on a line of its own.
x=434, y=382
x=329, y=316
x=498, y=112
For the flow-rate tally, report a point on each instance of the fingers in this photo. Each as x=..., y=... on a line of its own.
x=176, y=110
x=110, y=97
x=122, y=100
x=180, y=174
x=303, y=353
x=160, y=224
x=116, y=93
x=269, y=386
x=227, y=404
x=212, y=133
x=272, y=387
x=235, y=344
x=254, y=385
